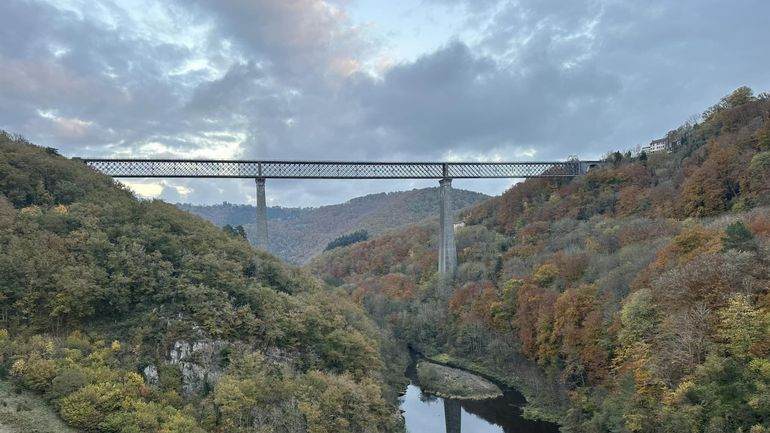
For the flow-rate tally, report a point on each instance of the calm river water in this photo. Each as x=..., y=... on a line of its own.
x=428, y=414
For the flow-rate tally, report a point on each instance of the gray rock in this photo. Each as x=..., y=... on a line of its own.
x=199, y=362
x=151, y=374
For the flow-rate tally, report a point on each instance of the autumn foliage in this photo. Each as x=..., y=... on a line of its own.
x=642, y=290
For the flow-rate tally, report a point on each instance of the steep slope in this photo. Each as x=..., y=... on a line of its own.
x=97, y=287
x=298, y=234
x=634, y=299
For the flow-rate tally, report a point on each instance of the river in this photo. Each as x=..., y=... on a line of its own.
x=425, y=413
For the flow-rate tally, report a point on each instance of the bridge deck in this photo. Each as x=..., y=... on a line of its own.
x=334, y=169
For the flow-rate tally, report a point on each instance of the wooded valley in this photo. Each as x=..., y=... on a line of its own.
x=633, y=299
x=299, y=234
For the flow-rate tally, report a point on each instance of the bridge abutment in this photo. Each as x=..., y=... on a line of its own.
x=447, y=251
x=261, y=241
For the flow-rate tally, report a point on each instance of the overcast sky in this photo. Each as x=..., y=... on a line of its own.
x=366, y=80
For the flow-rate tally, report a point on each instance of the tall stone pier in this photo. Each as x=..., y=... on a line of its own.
x=261, y=215
x=447, y=252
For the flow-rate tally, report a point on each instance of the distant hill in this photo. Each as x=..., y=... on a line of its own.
x=298, y=234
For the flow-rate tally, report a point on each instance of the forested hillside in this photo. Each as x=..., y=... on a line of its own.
x=134, y=316
x=633, y=299
x=298, y=234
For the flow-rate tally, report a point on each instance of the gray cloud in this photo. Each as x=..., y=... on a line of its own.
x=299, y=40
x=83, y=76
x=291, y=80
x=453, y=99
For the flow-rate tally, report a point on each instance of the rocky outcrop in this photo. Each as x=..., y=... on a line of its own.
x=200, y=362
x=151, y=374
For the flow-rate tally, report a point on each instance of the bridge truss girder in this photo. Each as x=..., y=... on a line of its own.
x=333, y=170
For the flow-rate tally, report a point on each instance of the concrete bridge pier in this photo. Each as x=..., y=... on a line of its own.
x=261, y=241
x=447, y=252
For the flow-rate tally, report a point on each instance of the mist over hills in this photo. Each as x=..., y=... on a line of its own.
x=298, y=234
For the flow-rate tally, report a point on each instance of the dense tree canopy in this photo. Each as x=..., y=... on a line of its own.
x=348, y=239
x=98, y=287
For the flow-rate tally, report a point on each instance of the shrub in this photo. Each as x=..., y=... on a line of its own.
x=545, y=274
x=88, y=407
x=738, y=237
x=169, y=378
x=39, y=372
x=67, y=382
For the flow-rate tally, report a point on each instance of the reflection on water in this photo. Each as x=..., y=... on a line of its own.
x=452, y=417
x=424, y=413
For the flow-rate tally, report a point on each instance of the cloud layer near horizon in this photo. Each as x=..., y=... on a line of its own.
x=307, y=79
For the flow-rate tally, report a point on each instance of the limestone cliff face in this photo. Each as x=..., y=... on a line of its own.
x=201, y=363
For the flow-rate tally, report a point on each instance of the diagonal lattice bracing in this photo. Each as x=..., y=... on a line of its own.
x=332, y=170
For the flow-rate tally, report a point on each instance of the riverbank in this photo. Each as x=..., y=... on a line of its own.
x=453, y=383
x=545, y=400
x=426, y=412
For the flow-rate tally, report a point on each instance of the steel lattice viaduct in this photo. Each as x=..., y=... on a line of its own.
x=262, y=170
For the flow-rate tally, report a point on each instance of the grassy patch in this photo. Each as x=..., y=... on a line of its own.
x=26, y=412
x=441, y=358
